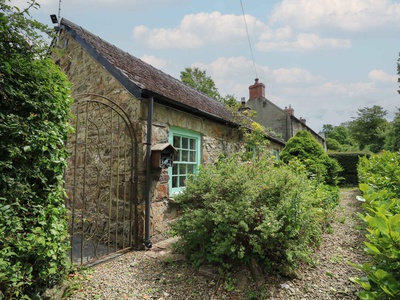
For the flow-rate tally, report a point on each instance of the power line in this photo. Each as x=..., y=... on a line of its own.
x=248, y=38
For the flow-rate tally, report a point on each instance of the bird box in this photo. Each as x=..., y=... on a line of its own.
x=162, y=155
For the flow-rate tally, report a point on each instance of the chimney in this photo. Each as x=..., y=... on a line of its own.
x=243, y=102
x=303, y=120
x=289, y=110
x=257, y=90
x=244, y=108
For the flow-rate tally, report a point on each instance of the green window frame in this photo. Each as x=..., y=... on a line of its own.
x=187, y=159
x=276, y=153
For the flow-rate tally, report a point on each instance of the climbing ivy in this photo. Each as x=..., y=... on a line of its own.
x=34, y=109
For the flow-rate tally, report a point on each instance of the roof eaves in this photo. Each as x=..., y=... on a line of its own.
x=189, y=109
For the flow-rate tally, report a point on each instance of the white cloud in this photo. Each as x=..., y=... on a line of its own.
x=302, y=41
x=207, y=29
x=328, y=89
x=382, y=76
x=196, y=30
x=156, y=62
x=164, y=38
x=234, y=75
x=294, y=75
x=348, y=15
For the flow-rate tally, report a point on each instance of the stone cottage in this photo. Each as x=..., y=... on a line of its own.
x=281, y=121
x=138, y=133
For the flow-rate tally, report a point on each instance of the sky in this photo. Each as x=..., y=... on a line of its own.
x=325, y=58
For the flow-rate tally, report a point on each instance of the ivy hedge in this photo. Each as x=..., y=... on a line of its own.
x=34, y=111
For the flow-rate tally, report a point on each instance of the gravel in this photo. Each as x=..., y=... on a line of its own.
x=161, y=274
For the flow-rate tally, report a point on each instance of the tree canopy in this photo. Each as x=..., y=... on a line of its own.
x=199, y=80
x=338, y=138
x=392, y=141
x=369, y=127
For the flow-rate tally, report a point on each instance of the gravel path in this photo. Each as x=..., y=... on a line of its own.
x=160, y=274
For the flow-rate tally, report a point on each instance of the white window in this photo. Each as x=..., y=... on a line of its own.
x=187, y=158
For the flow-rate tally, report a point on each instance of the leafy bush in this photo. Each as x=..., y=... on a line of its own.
x=305, y=148
x=34, y=109
x=381, y=177
x=381, y=171
x=239, y=210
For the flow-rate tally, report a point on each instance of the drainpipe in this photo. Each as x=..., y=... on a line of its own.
x=147, y=241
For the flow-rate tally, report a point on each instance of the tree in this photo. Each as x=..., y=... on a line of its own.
x=34, y=113
x=392, y=141
x=368, y=129
x=306, y=149
x=333, y=145
x=198, y=79
x=338, y=137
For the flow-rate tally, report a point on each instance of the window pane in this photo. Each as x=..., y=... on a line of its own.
x=177, y=141
x=174, y=170
x=185, y=143
x=182, y=180
x=192, y=144
x=182, y=169
x=178, y=156
x=190, y=169
x=185, y=155
x=192, y=156
x=174, y=181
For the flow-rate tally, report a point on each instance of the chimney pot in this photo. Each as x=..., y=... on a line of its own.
x=289, y=110
x=243, y=102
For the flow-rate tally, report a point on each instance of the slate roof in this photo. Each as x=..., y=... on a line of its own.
x=143, y=79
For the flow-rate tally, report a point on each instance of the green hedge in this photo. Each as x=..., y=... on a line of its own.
x=34, y=112
x=380, y=185
x=348, y=161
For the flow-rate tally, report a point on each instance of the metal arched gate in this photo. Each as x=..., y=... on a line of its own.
x=99, y=180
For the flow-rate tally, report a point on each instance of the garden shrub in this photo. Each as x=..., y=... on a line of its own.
x=236, y=210
x=305, y=148
x=381, y=178
x=34, y=112
x=381, y=171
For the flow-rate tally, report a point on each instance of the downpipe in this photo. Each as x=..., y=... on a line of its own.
x=147, y=241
